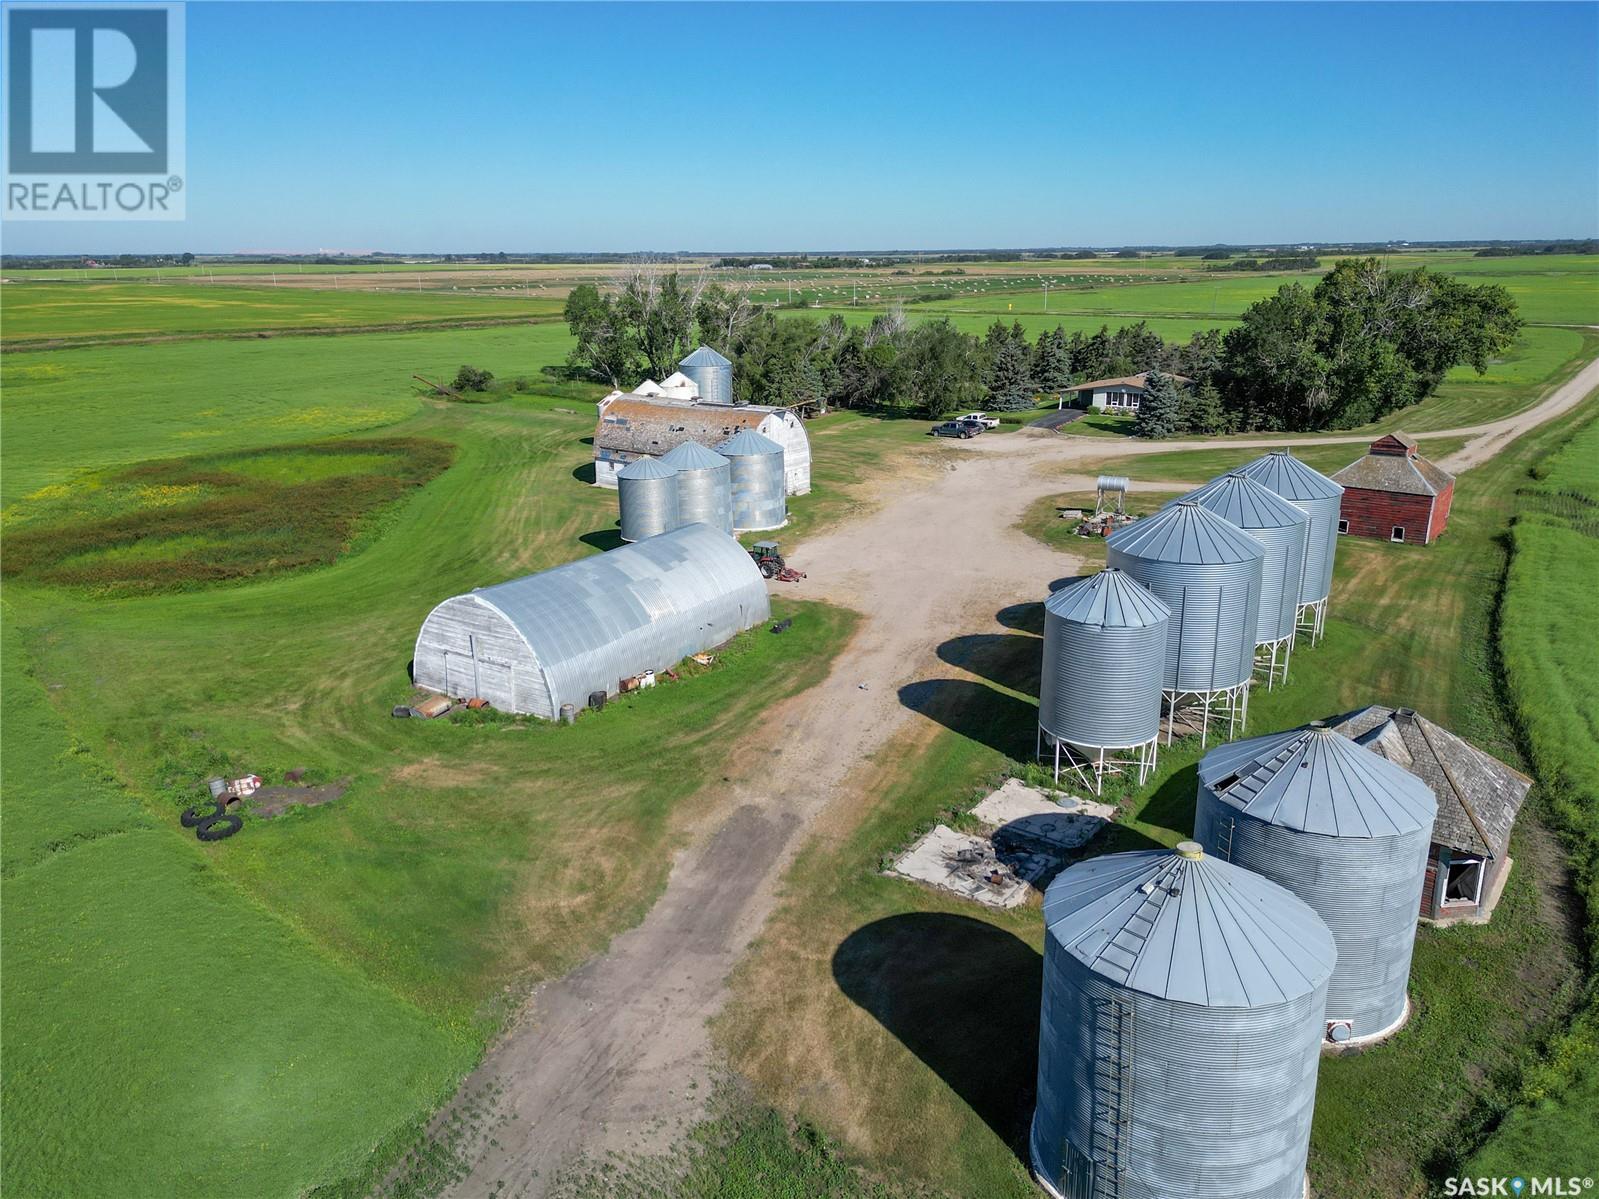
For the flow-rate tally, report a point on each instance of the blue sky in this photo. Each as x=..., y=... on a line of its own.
x=812, y=126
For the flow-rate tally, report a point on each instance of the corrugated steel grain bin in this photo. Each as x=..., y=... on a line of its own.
x=711, y=373
x=566, y=634
x=760, y=496
x=1104, y=658
x=1180, y=1031
x=1279, y=526
x=1345, y=830
x=646, y=493
x=1208, y=572
x=704, y=486
x=1319, y=498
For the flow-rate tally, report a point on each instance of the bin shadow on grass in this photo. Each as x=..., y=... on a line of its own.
x=960, y=994
x=603, y=539
x=975, y=710
x=1012, y=660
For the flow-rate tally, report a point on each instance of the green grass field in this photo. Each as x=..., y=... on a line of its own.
x=104, y=311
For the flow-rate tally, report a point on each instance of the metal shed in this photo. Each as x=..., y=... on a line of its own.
x=646, y=493
x=704, y=486
x=1320, y=498
x=759, y=498
x=1208, y=571
x=1179, y=1031
x=535, y=643
x=1284, y=530
x=1104, y=658
x=712, y=374
x=1345, y=830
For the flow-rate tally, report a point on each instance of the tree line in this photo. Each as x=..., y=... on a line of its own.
x=1361, y=343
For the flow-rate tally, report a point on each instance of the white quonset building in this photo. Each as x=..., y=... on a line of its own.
x=538, y=642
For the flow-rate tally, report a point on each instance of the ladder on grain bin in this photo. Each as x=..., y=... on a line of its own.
x=1113, y=1063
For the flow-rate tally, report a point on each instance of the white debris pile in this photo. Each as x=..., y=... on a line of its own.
x=964, y=865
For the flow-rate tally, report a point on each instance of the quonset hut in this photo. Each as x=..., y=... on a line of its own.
x=646, y=492
x=1345, y=830
x=533, y=644
x=1179, y=1031
x=1284, y=530
x=1208, y=571
x=756, y=467
x=1104, y=658
x=704, y=486
x=1320, y=499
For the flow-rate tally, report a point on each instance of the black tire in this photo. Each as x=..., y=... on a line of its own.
x=768, y=568
x=199, y=814
x=219, y=828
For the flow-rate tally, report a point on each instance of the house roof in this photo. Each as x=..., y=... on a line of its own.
x=1478, y=795
x=650, y=427
x=1137, y=380
x=1408, y=474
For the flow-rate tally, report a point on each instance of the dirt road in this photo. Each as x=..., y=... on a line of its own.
x=616, y=1056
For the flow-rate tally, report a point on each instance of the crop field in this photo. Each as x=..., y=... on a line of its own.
x=102, y=311
x=885, y=1013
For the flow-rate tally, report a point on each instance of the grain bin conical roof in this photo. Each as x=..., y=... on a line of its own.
x=1313, y=780
x=691, y=455
x=1247, y=503
x=1290, y=478
x=1111, y=599
x=705, y=356
x=1189, y=927
x=647, y=468
x=1189, y=533
x=747, y=443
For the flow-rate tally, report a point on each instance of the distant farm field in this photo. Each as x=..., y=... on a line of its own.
x=96, y=311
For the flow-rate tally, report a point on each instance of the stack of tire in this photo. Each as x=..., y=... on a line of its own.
x=211, y=821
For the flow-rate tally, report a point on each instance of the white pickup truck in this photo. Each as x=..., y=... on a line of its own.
x=982, y=418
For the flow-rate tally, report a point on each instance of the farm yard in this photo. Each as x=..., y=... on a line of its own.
x=221, y=546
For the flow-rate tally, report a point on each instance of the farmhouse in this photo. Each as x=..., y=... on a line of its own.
x=1120, y=395
x=1395, y=494
x=1478, y=799
x=540, y=642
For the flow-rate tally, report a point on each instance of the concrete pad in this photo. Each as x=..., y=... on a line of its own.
x=1021, y=813
x=962, y=865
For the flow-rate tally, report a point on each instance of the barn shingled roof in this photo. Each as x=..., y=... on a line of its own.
x=650, y=427
x=1478, y=795
x=1397, y=473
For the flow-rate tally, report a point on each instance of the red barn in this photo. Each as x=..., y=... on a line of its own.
x=1394, y=493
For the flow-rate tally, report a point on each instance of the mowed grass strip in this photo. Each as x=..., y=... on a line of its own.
x=164, y=1034
x=253, y=513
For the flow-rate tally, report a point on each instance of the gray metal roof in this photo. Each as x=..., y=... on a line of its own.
x=1248, y=504
x=1478, y=796
x=1290, y=478
x=647, y=468
x=1110, y=599
x=748, y=442
x=1191, y=929
x=705, y=356
x=1189, y=533
x=691, y=455
x=1313, y=780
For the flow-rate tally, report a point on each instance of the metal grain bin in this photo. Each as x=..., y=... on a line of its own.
x=1179, y=1032
x=711, y=373
x=1279, y=526
x=1104, y=658
x=1319, y=498
x=1208, y=572
x=760, y=495
x=646, y=492
x=572, y=634
x=704, y=486
x=1345, y=830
